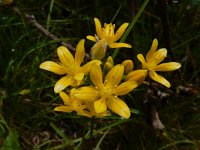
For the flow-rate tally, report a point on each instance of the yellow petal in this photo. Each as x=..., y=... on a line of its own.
x=120, y=31
x=100, y=105
x=85, y=113
x=142, y=60
x=114, y=76
x=119, y=107
x=106, y=30
x=64, y=97
x=119, y=45
x=98, y=51
x=92, y=38
x=158, y=78
x=98, y=28
x=168, y=66
x=103, y=114
x=86, y=68
x=158, y=56
x=90, y=107
x=80, y=52
x=65, y=56
x=87, y=93
x=96, y=76
x=63, y=109
x=128, y=66
x=79, y=76
x=53, y=67
x=153, y=49
x=63, y=83
x=137, y=75
x=125, y=88
x=111, y=30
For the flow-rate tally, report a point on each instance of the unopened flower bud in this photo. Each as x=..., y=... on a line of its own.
x=128, y=66
x=109, y=63
x=98, y=51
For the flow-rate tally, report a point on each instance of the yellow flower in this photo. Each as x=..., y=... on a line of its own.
x=152, y=63
x=106, y=37
x=69, y=66
x=105, y=94
x=80, y=107
x=72, y=104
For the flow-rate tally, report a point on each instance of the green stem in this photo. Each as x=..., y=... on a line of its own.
x=131, y=26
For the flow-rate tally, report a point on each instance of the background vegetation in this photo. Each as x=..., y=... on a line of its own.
x=27, y=119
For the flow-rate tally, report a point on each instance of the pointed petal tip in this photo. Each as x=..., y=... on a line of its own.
x=95, y=18
x=155, y=40
x=63, y=83
x=80, y=52
x=170, y=66
x=141, y=58
x=125, y=25
x=82, y=40
x=61, y=48
x=91, y=38
x=158, y=78
x=45, y=64
x=179, y=65
x=63, y=109
x=57, y=90
x=154, y=44
x=119, y=107
x=65, y=56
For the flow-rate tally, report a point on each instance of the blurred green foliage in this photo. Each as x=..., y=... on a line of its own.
x=28, y=119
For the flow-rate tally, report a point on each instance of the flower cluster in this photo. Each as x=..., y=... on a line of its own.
x=94, y=88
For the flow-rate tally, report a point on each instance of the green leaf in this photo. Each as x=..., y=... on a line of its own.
x=130, y=27
x=11, y=141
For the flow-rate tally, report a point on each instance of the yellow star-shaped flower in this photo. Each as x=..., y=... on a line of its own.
x=70, y=104
x=105, y=93
x=80, y=107
x=152, y=64
x=106, y=36
x=69, y=66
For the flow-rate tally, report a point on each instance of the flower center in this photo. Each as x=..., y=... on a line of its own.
x=106, y=91
x=108, y=32
x=150, y=66
x=73, y=69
